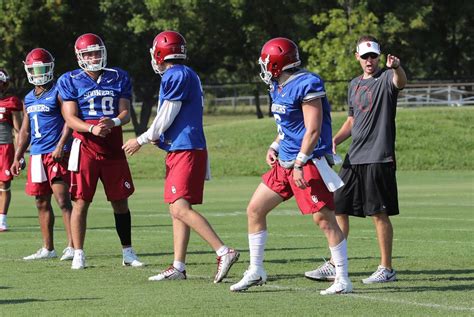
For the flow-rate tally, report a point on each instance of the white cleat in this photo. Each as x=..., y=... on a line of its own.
x=252, y=277
x=68, y=254
x=325, y=272
x=342, y=285
x=130, y=258
x=41, y=254
x=79, y=260
x=224, y=263
x=3, y=227
x=170, y=273
x=382, y=275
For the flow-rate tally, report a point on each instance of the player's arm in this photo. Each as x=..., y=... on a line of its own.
x=70, y=113
x=343, y=134
x=16, y=117
x=163, y=120
x=313, y=120
x=23, y=140
x=123, y=117
x=66, y=133
x=272, y=153
x=399, y=76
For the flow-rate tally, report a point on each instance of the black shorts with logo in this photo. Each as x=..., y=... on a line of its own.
x=369, y=189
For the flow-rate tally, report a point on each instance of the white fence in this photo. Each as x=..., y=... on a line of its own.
x=420, y=94
x=453, y=94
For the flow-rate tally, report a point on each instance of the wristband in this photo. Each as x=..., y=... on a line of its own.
x=298, y=167
x=91, y=128
x=117, y=122
x=275, y=146
x=303, y=158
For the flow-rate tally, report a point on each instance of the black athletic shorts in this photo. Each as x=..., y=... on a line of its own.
x=369, y=189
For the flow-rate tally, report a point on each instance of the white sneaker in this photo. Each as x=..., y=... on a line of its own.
x=170, y=273
x=68, y=254
x=252, y=277
x=130, y=258
x=79, y=261
x=342, y=285
x=382, y=275
x=3, y=226
x=42, y=253
x=224, y=263
x=325, y=272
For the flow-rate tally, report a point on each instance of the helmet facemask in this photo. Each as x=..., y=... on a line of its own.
x=156, y=67
x=39, y=73
x=92, y=64
x=265, y=74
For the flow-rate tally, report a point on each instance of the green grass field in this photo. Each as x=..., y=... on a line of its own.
x=433, y=247
x=433, y=251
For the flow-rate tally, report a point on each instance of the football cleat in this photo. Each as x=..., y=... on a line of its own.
x=3, y=227
x=79, y=260
x=170, y=273
x=42, y=253
x=252, y=277
x=382, y=275
x=325, y=272
x=130, y=258
x=68, y=254
x=224, y=263
x=342, y=285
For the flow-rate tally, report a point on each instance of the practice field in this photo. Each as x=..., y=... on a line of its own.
x=433, y=254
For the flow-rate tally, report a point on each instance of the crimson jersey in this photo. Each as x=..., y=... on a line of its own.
x=7, y=106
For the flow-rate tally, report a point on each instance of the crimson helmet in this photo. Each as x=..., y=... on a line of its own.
x=39, y=66
x=277, y=55
x=84, y=46
x=167, y=45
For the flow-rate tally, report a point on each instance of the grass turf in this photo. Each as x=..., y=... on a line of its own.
x=433, y=250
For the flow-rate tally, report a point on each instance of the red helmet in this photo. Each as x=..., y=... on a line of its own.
x=167, y=45
x=39, y=66
x=85, y=45
x=277, y=55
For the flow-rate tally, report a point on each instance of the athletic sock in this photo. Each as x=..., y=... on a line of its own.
x=3, y=218
x=339, y=257
x=257, y=243
x=180, y=266
x=222, y=250
x=123, y=225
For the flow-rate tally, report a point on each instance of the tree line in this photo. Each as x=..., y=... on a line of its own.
x=433, y=38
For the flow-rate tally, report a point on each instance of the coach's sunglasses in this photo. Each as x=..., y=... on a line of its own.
x=371, y=55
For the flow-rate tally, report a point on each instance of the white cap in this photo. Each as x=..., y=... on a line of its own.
x=368, y=47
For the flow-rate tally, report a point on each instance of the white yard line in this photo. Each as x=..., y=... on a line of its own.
x=379, y=299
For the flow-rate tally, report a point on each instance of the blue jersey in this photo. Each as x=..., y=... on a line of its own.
x=96, y=99
x=46, y=121
x=181, y=83
x=286, y=108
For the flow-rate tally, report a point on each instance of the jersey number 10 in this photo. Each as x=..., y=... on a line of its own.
x=107, y=106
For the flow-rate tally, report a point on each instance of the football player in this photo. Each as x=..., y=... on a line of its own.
x=178, y=130
x=96, y=103
x=297, y=161
x=10, y=118
x=44, y=129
